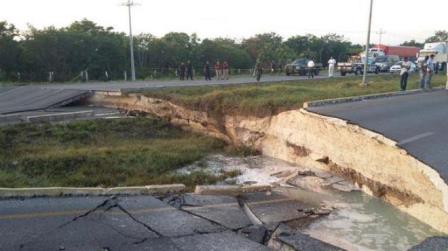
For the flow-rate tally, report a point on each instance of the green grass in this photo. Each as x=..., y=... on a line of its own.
x=103, y=153
x=269, y=99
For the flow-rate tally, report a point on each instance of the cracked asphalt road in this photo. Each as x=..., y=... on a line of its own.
x=186, y=222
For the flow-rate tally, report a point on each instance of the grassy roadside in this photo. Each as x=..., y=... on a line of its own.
x=104, y=153
x=269, y=99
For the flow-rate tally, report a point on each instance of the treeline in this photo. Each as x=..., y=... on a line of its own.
x=86, y=46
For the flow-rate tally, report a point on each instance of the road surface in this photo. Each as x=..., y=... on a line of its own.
x=42, y=97
x=419, y=122
x=116, y=86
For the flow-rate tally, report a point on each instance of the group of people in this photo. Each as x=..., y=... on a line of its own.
x=221, y=71
x=427, y=68
x=331, y=68
x=185, y=71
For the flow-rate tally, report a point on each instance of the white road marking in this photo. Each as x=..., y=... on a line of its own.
x=415, y=138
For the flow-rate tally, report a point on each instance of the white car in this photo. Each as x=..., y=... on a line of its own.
x=396, y=68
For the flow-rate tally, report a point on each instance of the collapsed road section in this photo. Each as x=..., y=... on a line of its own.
x=30, y=98
x=35, y=104
x=178, y=222
x=376, y=163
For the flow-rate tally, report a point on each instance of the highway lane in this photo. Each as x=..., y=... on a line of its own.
x=40, y=97
x=119, y=85
x=418, y=122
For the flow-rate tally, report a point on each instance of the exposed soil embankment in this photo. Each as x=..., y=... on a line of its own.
x=370, y=160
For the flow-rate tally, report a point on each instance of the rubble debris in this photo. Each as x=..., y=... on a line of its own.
x=255, y=233
x=282, y=174
x=306, y=173
x=345, y=186
x=287, y=239
x=230, y=190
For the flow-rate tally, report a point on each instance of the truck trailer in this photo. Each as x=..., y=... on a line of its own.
x=400, y=51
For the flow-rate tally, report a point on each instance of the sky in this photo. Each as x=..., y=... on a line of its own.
x=400, y=19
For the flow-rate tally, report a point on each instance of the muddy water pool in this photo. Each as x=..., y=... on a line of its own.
x=358, y=221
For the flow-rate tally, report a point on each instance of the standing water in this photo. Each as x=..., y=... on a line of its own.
x=359, y=221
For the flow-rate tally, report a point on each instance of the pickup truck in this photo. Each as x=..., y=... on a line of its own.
x=300, y=67
x=356, y=66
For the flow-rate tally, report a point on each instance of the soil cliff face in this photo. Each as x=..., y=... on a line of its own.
x=373, y=162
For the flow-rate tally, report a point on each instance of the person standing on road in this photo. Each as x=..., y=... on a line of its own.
x=423, y=71
x=429, y=71
x=189, y=70
x=258, y=70
x=182, y=71
x=311, y=66
x=207, y=72
x=225, y=71
x=404, y=73
x=331, y=66
x=218, y=70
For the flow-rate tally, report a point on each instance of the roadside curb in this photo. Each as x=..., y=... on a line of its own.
x=336, y=101
x=230, y=190
x=90, y=191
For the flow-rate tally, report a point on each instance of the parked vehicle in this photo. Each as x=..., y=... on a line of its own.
x=355, y=65
x=439, y=50
x=300, y=67
x=396, y=68
x=385, y=62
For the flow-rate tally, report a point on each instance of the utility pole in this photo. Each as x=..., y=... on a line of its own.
x=381, y=32
x=364, y=77
x=130, y=4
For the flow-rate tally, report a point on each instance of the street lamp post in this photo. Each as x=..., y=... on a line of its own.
x=364, y=77
x=129, y=4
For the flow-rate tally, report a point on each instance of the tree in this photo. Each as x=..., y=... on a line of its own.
x=439, y=36
x=9, y=51
x=68, y=51
x=267, y=48
x=412, y=43
x=322, y=48
x=224, y=50
x=85, y=45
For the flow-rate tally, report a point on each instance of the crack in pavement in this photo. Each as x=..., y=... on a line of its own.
x=113, y=203
x=204, y=218
x=103, y=209
x=105, y=206
x=105, y=202
x=138, y=221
